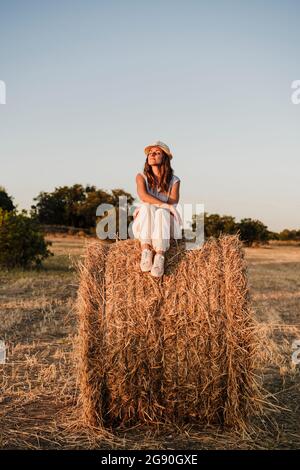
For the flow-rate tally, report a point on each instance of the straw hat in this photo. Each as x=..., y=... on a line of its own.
x=161, y=145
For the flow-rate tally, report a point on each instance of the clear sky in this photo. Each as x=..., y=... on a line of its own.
x=91, y=83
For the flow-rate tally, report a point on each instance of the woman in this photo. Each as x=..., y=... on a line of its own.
x=157, y=219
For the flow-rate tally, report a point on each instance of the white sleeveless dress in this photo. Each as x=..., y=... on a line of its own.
x=161, y=232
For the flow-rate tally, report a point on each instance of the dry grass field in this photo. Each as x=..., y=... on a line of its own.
x=38, y=382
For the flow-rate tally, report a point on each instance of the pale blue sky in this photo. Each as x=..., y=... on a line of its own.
x=91, y=83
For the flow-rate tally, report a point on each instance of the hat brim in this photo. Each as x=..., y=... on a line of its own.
x=146, y=150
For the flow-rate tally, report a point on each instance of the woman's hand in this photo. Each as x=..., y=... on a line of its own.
x=173, y=211
x=136, y=212
x=176, y=214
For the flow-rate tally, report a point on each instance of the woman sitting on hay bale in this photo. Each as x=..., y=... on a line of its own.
x=157, y=219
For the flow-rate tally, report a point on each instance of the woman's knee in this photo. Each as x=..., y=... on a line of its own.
x=146, y=206
x=147, y=210
x=163, y=212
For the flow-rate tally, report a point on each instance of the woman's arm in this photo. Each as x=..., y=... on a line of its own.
x=143, y=193
x=174, y=194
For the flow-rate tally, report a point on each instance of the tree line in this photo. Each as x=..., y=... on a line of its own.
x=75, y=206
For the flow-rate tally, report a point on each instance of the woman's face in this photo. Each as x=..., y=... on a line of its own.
x=155, y=156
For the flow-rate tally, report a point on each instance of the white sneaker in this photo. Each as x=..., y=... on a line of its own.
x=157, y=269
x=146, y=260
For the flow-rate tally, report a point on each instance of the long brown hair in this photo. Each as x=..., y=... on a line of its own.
x=166, y=174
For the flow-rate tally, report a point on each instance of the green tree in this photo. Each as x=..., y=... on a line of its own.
x=248, y=230
x=273, y=235
x=60, y=206
x=214, y=224
x=287, y=234
x=6, y=201
x=253, y=231
x=74, y=206
x=86, y=210
x=22, y=244
x=50, y=209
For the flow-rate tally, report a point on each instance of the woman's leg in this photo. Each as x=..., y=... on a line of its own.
x=142, y=229
x=161, y=230
x=165, y=226
x=160, y=240
x=143, y=225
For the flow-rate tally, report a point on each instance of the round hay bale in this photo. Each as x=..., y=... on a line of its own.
x=170, y=350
